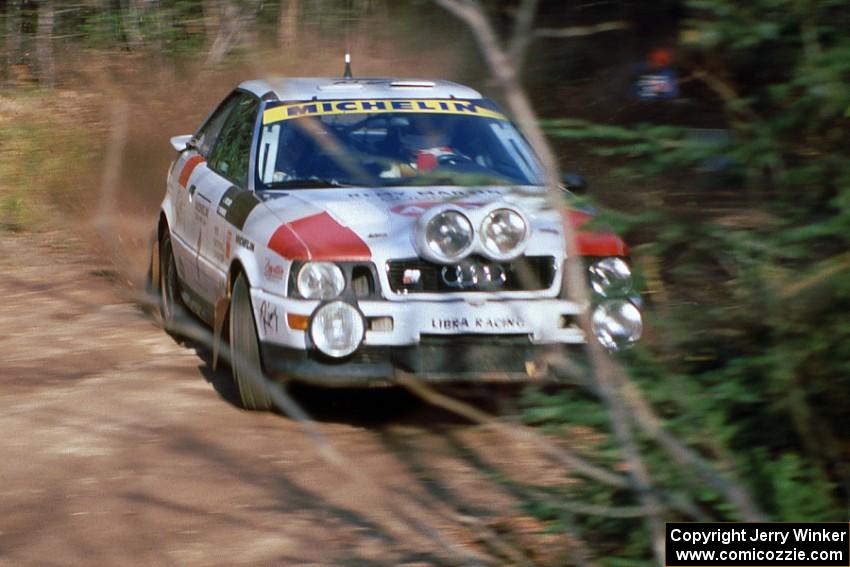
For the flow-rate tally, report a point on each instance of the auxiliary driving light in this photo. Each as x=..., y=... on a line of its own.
x=337, y=329
x=617, y=324
x=503, y=233
x=445, y=235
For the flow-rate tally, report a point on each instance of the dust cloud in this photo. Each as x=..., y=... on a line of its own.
x=134, y=104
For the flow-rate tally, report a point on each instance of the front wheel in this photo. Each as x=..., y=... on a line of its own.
x=245, y=351
x=171, y=307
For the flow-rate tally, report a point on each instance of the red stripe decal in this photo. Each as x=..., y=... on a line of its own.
x=595, y=243
x=600, y=244
x=190, y=166
x=285, y=242
x=318, y=237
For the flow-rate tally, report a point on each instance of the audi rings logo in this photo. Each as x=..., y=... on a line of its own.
x=472, y=275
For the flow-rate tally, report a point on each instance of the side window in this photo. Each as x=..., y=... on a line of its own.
x=208, y=134
x=231, y=154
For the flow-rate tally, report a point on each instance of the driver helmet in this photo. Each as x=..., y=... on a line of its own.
x=426, y=148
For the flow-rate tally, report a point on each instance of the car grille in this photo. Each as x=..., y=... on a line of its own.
x=368, y=354
x=468, y=340
x=527, y=273
x=468, y=353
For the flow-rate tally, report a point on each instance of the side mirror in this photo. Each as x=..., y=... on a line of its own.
x=575, y=183
x=181, y=143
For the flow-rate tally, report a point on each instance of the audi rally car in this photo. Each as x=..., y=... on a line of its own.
x=338, y=231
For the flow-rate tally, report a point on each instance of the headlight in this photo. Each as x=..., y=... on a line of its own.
x=448, y=235
x=503, y=233
x=320, y=280
x=610, y=277
x=337, y=329
x=617, y=324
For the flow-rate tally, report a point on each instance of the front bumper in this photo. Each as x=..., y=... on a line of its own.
x=436, y=359
x=458, y=340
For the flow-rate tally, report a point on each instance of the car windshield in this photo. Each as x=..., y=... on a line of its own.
x=381, y=143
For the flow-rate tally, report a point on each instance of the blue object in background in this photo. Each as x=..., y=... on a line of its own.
x=660, y=84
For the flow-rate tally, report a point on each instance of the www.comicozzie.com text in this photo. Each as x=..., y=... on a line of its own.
x=755, y=534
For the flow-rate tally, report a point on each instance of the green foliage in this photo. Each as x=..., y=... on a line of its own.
x=748, y=359
x=801, y=492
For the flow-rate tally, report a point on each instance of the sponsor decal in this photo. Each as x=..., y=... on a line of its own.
x=273, y=271
x=477, y=323
x=430, y=196
x=411, y=276
x=235, y=206
x=202, y=212
x=244, y=243
x=187, y=170
x=318, y=237
x=227, y=245
x=415, y=210
x=420, y=106
x=268, y=317
x=218, y=244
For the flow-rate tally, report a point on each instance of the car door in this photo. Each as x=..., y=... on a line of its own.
x=227, y=189
x=191, y=209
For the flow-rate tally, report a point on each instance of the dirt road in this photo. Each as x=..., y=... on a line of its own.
x=120, y=446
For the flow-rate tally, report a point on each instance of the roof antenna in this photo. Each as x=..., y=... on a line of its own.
x=347, y=74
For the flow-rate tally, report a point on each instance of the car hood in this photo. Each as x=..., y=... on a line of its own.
x=359, y=224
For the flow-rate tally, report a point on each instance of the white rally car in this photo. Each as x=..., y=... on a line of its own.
x=339, y=231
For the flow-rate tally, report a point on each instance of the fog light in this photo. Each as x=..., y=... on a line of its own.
x=617, y=324
x=337, y=329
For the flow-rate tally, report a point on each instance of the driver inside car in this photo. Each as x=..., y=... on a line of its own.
x=423, y=149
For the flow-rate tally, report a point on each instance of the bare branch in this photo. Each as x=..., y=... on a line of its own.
x=471, y=12
x=511, y=431
x=582, y=31
x=522, y=34
x=650, y=424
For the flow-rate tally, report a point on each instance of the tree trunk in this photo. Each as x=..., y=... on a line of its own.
x=132, y=14
x=237, y=26
x=288, y=31
x=13, y=39
x=227, y=36
x=44, y=44
x=212, y=19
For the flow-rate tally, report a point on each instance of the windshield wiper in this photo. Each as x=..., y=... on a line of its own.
x=312, y=183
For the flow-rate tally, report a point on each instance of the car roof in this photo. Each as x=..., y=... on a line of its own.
x=336, y=88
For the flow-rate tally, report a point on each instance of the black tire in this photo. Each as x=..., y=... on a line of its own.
x=171, y=307
x=245, y=361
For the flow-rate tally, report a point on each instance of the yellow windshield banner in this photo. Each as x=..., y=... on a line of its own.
x=421, y=106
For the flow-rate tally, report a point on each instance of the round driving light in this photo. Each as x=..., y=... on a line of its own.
x=320, y=280
x=617, y=324
x=610, y=277
x=337, y=329
x=448, y=235
x=503, y=232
